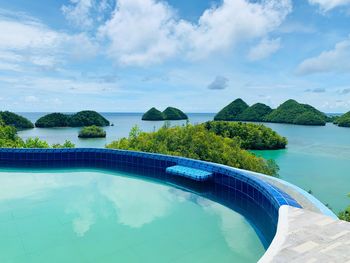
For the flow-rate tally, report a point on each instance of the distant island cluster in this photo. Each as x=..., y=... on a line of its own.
x=291, y=112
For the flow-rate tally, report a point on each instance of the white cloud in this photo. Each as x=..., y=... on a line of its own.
x=327, y=5
x=148, y=31
x=31, y=99
x=335, y=60
x=38, y=45
x=78, y=12
x=84, y=13
x=141, y=32
x=264, y=49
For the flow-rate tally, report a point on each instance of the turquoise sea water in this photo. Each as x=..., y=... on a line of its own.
x=317, y=158
x=101, y=216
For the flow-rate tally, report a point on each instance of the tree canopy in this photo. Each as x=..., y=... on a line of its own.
x=296, y=113
x=92, y=132
x=232, y=111
x=153, y=115
x=195, y=142
x=10, y=139
x=343, y=121
x=256, y=112
x=172, y=113
x=15, y=120
x=80, y=119
x=251, y=136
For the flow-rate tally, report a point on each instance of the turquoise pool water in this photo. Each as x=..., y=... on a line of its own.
x=102, y=216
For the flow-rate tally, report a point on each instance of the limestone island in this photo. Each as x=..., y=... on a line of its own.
x=92, y=132
x=343, y=120
x=80, y=119
x=290, y=111
x=15, y=120
x=170, y=113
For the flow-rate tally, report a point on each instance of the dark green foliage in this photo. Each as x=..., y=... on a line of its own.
x=80, y=119
x=310, y=118
x=66, y=144
x=10, y=139
x=171, y=113
x=15, y=120
x=87, y=118
x=232, y=111
x=345, y=214
x=92, y=132
x=195, y=142
x=153, y=115
x=251, y=136
x=296, y=113
x=53, y=120
x=256, y=112
x=344, y=120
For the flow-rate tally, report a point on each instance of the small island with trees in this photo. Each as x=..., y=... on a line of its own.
x=92, y=132
x=15, y=120
x=170, y=113
x=80, y=119
x=343, y=120
x=290, y=111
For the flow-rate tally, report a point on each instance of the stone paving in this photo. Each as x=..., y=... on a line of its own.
x=307, y=237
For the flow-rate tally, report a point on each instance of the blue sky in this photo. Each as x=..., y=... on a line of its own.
x=198, y=55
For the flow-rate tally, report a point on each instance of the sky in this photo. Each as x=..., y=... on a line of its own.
x=197, y=55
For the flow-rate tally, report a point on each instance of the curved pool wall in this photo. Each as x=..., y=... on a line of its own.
x=256, y=199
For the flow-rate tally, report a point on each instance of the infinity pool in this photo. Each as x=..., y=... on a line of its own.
x=101, y=216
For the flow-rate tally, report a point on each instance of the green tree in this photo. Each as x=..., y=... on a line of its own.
x=195, y=142
x=345, y=214
x=92, y=132
x=250, y=135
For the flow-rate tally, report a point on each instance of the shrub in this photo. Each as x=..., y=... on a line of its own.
x=92, y=132
x=252, y=136
x=194, y=142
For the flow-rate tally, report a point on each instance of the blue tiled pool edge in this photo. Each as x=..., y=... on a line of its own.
x=268, y=197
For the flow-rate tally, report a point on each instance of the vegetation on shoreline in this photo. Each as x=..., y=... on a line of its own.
x=92, y=132
x=15, y=120
x=256, y=112
x=153, y=115
x=288, y=112
x=343, y=120
x=80, y=119
x=296, y=113
x=170, y=113
x=251, y=136
x=195, y=142
x=10, y=139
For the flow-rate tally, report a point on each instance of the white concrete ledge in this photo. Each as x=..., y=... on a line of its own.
x=304, y=236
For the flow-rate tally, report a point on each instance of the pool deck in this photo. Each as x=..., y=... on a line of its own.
x=306, y=237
